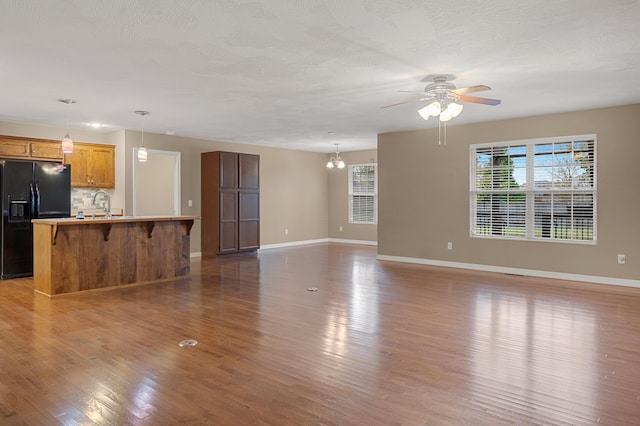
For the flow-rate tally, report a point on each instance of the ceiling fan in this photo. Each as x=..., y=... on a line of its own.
x=444, y=97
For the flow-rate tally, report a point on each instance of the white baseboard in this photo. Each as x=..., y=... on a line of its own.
x=196, y=254
x=505, y=270
x=362, y=242
x=294, y=243
x=320, y=240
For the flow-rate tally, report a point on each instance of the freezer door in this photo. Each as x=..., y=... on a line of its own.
x=15, y=181
x=16, y=243
x=52, y=183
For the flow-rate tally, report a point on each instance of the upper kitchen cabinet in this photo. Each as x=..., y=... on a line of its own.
x=46, y=150
x=92, y=165
x=30, y=149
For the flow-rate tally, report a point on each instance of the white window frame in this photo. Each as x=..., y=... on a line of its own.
x=530, y=190
x=373, y=193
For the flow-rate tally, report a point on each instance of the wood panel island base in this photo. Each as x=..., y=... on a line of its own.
x=71, y=255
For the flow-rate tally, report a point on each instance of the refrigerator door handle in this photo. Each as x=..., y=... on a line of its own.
x=32, y=200
x=37, y=209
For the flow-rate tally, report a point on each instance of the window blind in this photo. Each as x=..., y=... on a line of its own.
x=363, y=193
x=541, y=189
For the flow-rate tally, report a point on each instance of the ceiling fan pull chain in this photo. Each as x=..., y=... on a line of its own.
x=445, y=134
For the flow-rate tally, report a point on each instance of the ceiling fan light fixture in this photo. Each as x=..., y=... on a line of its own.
x=424, y=112
x=435, y=108
x=446, y=115
x=431, y=110
x=455, y=108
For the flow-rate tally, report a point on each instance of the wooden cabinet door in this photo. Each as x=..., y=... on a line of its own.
x=228, y=221
x=103, y=165
x=248, y=171
x=228, y=170
x=92, y=166
x=46, y=150
x=10, y=148
x=80, y=161
x=249, y=220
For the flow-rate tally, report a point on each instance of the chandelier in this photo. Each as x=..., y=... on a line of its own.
x=336, y=161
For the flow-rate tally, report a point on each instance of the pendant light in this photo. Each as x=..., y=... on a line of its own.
x=67, y=142
x=142, y=151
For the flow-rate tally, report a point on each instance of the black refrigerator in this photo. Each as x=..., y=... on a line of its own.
x=29, y=190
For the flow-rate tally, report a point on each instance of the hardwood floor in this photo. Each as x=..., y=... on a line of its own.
x=378, y=343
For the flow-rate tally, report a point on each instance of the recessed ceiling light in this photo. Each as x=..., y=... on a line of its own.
x=170, y=132
x=95, y=125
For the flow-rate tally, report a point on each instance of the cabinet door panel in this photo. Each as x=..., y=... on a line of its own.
x=102, y=160
x=228, y=170
x=249, y=205
x=228, y=237
x=228, y=205
x=14, y=148
x=46, y=151
x=249, y=235
x=249, y=171
x=249, y=220
x=228, y=221
x=80, y=165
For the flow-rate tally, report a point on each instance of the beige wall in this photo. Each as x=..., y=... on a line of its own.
x=339, y=199
x=155, y=189
x=424, y=195
x=293, y=185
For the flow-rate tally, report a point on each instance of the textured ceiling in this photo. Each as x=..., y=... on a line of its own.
x=287, y=72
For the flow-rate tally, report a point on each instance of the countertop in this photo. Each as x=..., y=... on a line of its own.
x=69, y=221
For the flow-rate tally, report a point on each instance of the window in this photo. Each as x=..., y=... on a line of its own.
x=363, y=193
x=540, y=189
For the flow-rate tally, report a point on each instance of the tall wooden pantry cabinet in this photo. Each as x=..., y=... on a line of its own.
x=230, y=192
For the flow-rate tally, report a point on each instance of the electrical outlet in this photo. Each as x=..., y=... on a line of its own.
x=622, y=259
x=341, y=229
x=449, y=245
x=286, y=232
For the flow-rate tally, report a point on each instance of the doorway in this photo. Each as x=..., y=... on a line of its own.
x=156, y=184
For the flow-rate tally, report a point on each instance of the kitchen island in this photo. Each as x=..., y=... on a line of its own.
x=72, y=255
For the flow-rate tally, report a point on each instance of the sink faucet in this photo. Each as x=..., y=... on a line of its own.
x=106, y=205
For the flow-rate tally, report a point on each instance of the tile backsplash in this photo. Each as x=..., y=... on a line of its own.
x=82, y=199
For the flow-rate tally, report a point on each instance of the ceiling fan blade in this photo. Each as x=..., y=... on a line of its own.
x=477, y=100
x=471, y=89
x=405, y=102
